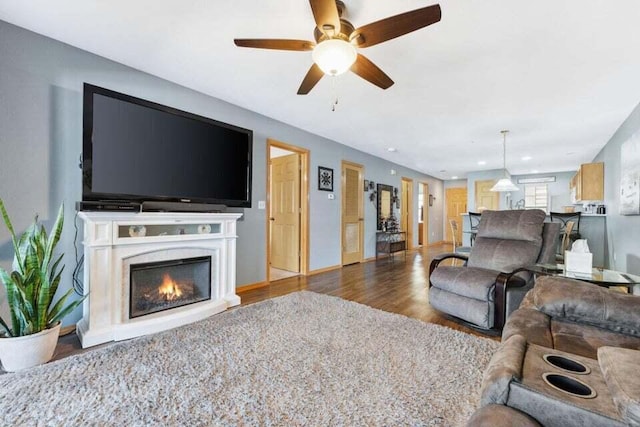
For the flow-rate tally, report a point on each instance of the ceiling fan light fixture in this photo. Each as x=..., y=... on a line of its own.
x=334, y=56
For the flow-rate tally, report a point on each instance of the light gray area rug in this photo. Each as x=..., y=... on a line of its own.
x=301, y=359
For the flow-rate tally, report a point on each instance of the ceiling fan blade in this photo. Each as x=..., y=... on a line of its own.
x=310, y=80
x=325, y=12
x=277, y=44
x=395, y=26
x=371, y=73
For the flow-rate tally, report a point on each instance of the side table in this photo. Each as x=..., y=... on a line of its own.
x=598, y=276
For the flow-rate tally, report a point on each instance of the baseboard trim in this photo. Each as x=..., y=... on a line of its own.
x=324, y=270
x=66, y=330
x=441, y=242
x=252, y=286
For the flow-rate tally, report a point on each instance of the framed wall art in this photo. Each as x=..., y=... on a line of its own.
x=630, y=176
x=325, y=179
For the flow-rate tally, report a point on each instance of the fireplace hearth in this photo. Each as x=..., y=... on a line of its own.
x=182, y=269
x=159, y=286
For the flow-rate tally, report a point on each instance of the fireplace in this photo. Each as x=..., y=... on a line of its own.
x=164, y=285
x=124, y=272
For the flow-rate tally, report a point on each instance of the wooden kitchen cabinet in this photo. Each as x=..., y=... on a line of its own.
x=588, y=183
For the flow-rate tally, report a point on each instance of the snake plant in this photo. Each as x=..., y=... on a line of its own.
x=32, y=285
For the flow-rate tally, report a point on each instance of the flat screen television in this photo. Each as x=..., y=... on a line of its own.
x=138, y=151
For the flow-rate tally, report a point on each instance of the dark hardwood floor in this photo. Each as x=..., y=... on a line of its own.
x=398, y=286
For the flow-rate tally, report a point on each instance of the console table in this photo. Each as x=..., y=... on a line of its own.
x=390, y=242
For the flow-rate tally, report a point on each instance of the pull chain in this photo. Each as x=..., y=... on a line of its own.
x=334, y=92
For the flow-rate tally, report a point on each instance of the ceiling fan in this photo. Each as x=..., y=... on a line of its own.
x=337, y=41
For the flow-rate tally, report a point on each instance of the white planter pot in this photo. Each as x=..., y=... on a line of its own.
x=28, y=351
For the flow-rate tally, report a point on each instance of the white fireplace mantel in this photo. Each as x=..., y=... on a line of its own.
x=114, y=240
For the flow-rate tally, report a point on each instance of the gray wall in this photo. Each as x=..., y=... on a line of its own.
x=41, y=133
x=623, y=232
x=455, y=183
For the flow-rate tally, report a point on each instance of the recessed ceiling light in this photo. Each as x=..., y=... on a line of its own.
x=392, y=149
x=534, y=171
x=482, y=162
x=527, y=158
x=454, y=177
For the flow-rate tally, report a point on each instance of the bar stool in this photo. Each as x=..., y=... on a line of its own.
x=563, y=217
x=566, y=240
x=465, y=250
x=474, y=223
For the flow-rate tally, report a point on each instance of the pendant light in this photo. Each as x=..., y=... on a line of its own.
x=504, y=184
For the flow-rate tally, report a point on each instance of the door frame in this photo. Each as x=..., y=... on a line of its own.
x=409, y=230
x=425, y=212
x=361, y=221
x=304, y=204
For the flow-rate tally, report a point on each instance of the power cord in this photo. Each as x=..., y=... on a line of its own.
x=78, y=285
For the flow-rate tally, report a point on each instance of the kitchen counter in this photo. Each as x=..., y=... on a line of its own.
x=583, y=214
x=592, y=228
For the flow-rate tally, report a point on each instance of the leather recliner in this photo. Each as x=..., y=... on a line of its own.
x=493, y=281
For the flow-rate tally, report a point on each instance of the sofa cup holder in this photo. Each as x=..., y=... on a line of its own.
x=568, y=385
x=566, y=364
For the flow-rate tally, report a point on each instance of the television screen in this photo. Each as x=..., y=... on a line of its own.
x=136, y=150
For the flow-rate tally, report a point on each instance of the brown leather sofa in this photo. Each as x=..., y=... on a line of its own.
x=570, y=356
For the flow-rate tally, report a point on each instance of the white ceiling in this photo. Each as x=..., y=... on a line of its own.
x=562, y=75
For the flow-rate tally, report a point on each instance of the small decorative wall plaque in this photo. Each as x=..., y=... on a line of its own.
x=325, y=179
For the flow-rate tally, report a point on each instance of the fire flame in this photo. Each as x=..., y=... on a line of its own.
x=169, y=289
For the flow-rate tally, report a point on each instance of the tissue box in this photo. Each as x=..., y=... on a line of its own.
x=578, y=262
